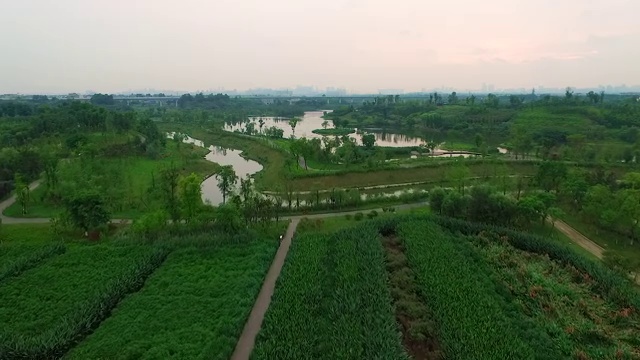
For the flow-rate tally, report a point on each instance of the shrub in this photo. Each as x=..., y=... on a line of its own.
x=372, y=214
x=358, y=216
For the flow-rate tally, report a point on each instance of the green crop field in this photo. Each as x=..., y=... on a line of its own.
x=193, y=307
x=458, y=290
x=332, y=301
x=50, y=307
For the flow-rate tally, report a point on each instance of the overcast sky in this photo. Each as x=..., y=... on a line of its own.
x=362, y=45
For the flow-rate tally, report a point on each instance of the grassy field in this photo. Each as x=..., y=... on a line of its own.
x=193, y=307
x=397, y=176
x=137, y=175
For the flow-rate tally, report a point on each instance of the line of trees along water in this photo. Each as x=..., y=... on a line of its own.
x=552, y=126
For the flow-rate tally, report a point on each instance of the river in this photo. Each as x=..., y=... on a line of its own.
x=244, y=168
x=313, y=120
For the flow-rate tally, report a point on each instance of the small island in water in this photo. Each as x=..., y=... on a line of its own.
x=334, y=131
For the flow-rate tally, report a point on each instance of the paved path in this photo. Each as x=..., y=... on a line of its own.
x=247, y=339
x=586, y=243
x=580, y=239
x=11, y=220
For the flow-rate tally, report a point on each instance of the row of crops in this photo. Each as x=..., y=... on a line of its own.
x=193, y=307
x=472, y=322
x=332, y=301
x=492, y=293
x=49, y=308
x=17, y=259
x=182, y=298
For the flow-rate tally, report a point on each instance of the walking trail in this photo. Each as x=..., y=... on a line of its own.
x=580, y=239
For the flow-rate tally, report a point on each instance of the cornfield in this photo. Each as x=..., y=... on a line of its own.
x=332, y=301
x=28, y=258
x=193, y=307
x=49, y=309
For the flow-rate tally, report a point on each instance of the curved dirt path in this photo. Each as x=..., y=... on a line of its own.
x=12, y=199
x=579, y=239
x=586, y=243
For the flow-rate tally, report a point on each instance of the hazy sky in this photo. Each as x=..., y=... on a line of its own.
x=362, y=45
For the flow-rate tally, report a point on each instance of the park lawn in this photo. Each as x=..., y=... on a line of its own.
x=138, y=173
x=402, y=175
x=193, y=307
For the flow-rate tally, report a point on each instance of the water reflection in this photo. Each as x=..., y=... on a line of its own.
x=313, y=120
x=243, y=168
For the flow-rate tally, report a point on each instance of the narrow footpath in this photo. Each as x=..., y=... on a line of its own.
x=11, y=220
x=580, y=239
x=247, y=339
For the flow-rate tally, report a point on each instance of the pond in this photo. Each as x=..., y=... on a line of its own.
x=244, y=168
x=313, y=120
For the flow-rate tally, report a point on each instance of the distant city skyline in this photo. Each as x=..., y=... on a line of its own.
x=311, y=90
x=363, y=46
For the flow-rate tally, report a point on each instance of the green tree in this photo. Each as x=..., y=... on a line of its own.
x=492, y=101
x=455, y=205
x=151, y=225
x=550, y=175
x=246, y=189
x=478, y=141
x=436, y=198
x=227, y=218
x=50, y=162
x=169, y=178
x=293, y=122
x=190, y=196
x=453, y=98
x=575, y=187
x=227, y=179
x=325, y=124
x=599, y=206
x=23, y=194
x=87, y=210
x=628, y=208
x=369, y=140
x=458, y=174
